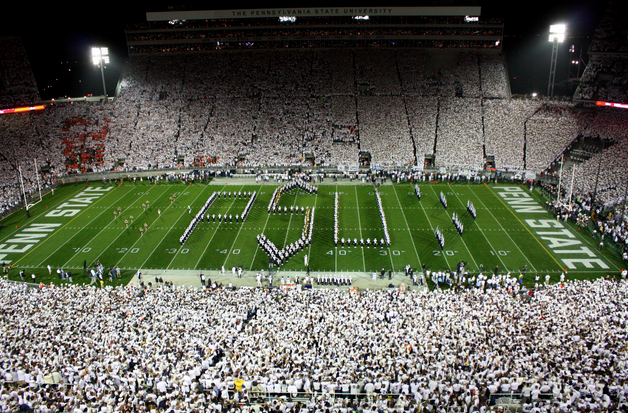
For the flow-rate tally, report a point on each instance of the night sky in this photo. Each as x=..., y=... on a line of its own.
x=58, y=39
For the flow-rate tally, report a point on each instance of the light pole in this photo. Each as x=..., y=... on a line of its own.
x=556, y=36
x=100, y=57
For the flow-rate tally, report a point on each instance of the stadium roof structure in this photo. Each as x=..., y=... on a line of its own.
x=435, y=27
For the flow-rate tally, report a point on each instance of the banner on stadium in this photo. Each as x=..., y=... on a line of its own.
x=312, y=12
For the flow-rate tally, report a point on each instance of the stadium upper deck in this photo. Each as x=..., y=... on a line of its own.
x=417, y=27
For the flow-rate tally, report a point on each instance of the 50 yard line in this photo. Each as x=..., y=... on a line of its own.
x=357, y=204
x=309, y=250
x=290, y=220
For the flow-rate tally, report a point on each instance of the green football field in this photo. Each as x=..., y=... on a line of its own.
x=76, y=225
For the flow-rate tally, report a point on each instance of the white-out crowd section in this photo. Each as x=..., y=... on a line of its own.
x=79, y=349
x=287, y=107
x=84, y=349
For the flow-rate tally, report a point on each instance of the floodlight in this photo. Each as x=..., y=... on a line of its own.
x=100, y=57
x=100, y=54
x=557, y=33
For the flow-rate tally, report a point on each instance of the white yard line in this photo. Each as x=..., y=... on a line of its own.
x=461, y=239
x=166, y=234
x=506, y=232
x=258, y=248
x=78, y=232
x=433, y=233
x=212, y=238
x=290, y=220
x=309, y=250
x=181, y=246
x=357, y=205
x=133, y=246
x=236, y=237
x=408, y=227
x=483, y=234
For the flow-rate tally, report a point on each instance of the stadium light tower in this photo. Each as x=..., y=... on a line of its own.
x=100, y=57
x=556, y=36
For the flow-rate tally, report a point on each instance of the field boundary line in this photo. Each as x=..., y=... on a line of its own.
x=65, y=225
x=503, y=229
x=585, y=239
x=35, y=217
x=526, y=227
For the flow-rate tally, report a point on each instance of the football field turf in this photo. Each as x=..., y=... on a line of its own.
x=76, y=225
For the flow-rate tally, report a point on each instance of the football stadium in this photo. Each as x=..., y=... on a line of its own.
x=316, y=209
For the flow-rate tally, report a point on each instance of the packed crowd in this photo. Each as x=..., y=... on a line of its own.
x=562, y=349
x=301, y=107
x=607, y=228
